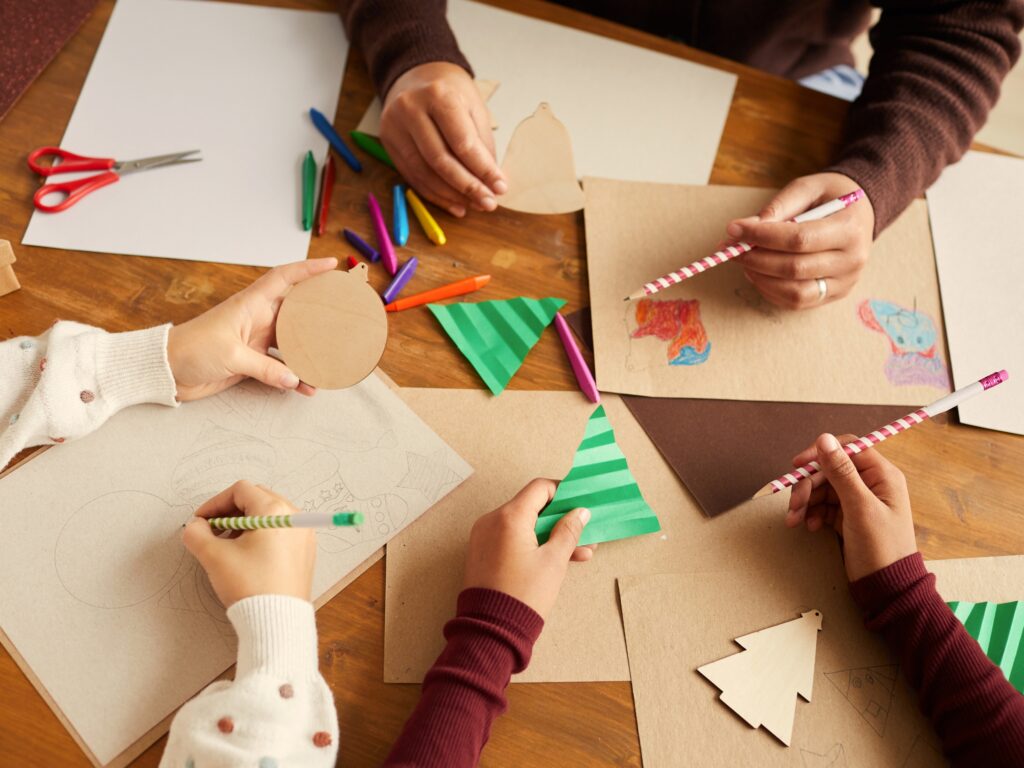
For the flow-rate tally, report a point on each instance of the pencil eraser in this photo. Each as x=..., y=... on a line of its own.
x=994, y=378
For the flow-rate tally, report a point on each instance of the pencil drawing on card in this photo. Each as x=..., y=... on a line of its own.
x=915, y=358
x=870, y=691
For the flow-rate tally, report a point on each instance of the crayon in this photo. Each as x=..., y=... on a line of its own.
x=430, y=227
x=372, y=146
x=324, y=126
x=361, y=245
x=308, y=190
x=401, y=278
x=387, y=250
x=399, y=216
x=468, y=285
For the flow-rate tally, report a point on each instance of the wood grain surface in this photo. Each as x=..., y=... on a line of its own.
x=966, y=483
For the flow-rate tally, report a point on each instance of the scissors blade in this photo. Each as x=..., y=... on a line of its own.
x=145, y=163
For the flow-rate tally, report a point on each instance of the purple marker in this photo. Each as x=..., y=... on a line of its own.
x=387, y=250
x=361, y=245
x=398, y=283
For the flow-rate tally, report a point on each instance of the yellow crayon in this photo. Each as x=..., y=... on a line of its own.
x=430, y=227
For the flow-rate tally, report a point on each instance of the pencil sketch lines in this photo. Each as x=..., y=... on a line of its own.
x=870, y=691
x=219, y=457
x=194, y=593
x=429, y=474
x=834, y=758
x=923, y=754
x=247, y=399
x=755, y=301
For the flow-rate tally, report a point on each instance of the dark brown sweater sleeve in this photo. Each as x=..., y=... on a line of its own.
x=934, y=76
x=397, y=35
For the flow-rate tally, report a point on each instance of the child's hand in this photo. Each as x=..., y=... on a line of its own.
x=504, y=554
x=262, y=562
x=229, y=342
x=864, y=497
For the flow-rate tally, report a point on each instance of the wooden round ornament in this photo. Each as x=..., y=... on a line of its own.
x=331, y=329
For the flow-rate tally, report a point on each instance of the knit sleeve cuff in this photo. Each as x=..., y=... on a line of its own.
x=276, y=635
x=878, y=589
x=132, y=368
x=501, y=609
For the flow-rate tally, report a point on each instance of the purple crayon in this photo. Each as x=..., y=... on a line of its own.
x=361, y=245
x=398, y=283
x=387, y=250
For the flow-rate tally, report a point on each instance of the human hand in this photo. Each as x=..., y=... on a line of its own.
x=863, y=496
x=262, y=562
x=229, y=342
x=790, y=257
x=504, y=555
x=437, y=129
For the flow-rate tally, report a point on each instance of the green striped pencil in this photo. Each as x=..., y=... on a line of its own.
x=300, y=520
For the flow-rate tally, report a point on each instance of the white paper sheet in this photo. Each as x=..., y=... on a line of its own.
x=632, y=113
x=234, y=81
x=974, y=207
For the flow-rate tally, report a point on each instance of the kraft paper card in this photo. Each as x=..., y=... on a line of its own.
x=521, y=435
x=724, y=449
x=632, y=113
x=233, y=81
x=714, y=336
x=496, y=336
x=980, y=262
x=600, y=480
x=998, y=628
x=861, y=713
x=98, y=560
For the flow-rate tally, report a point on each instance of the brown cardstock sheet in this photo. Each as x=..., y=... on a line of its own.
x=836, y=353
x=725, y=450
x=521, y=435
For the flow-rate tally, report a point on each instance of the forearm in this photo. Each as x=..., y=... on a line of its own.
x=490, y=639
x=935, y=74
x=978, y=715
x=397, y=35
x=277, y=711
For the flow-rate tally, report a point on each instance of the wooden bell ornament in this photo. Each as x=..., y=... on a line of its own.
x=332, y=329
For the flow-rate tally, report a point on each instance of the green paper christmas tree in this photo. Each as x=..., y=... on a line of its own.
x=998, y=628
x=495, y=336
x=601, y=481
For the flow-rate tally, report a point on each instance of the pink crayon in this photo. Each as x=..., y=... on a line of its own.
x=941, y=405
x=579, y=366
x=387, y=251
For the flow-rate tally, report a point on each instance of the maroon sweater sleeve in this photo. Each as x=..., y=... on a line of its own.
x=490, y=639
x=934, y=76
x=978, y=715
x=397, y=35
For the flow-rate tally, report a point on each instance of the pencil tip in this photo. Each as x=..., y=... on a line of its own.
x=765, y=491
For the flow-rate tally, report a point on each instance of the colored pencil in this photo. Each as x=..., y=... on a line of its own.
x=361, y=245
x=326, y=189
x=579, y=366
x=300, y=520
x=353, y=262
x=372, y=146
x=403, y=276
x=468, y=285
x=324, y=126
x=730, y=252
x=430, y=227
x=308, y=190
x=399, y=215
x=387, y=251
x=941, y=405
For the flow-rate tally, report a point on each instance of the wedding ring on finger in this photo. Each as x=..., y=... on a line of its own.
x=822, y=289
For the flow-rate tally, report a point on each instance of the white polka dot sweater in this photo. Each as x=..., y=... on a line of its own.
x=65, y=383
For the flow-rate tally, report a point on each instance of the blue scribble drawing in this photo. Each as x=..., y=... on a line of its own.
x=915, y=358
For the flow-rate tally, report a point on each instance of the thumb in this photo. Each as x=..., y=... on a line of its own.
x=565, y=536
x=202, y=542
x=265, y=368
x=840, y=471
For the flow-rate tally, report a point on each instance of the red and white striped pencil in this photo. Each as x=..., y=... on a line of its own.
x=900, y=425
x=730, y=252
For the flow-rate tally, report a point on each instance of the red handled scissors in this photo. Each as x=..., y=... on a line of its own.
x=73, y=191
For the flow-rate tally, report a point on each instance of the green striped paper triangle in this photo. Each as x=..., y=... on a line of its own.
x=495, y=336
x=601, y=481
x=998, y=628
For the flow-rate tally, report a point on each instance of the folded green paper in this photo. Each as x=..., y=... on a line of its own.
x=998, y=628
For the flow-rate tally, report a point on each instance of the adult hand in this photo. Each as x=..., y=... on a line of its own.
x=437, y=129
x=791, y=257
x=504, y=554
x=864, y=497
x=229, y=342
x=260, y=562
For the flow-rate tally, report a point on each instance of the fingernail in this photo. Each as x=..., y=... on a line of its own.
x=584, y=516
x=734, y=230
x=830, y=442
x=500, y=187
x=289, y=380
x=489, y=203
x=457, y=210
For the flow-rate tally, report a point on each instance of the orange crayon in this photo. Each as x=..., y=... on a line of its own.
x=458, y=288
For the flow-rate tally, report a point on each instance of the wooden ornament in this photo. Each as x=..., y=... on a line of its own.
x=332, y=329
x=760, y=683
x=8, y=280
x=539, y=167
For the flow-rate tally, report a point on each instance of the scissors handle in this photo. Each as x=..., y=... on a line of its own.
x=69, y=162
x=73, y=190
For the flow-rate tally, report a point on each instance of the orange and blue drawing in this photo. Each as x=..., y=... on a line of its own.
x=915, y=359
x=677, y=322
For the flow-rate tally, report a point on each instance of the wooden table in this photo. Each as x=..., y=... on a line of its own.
x=966, y=483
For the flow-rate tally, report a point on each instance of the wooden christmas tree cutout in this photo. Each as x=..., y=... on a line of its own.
x=760, y=684
x=8, y=280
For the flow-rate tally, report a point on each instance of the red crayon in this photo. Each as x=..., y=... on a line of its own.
x=326, y=188
x=353, y=262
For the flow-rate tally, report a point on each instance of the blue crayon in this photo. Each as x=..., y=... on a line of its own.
x=361, y=245
x=399, y=280
x=400, y=216
x=324, y=126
